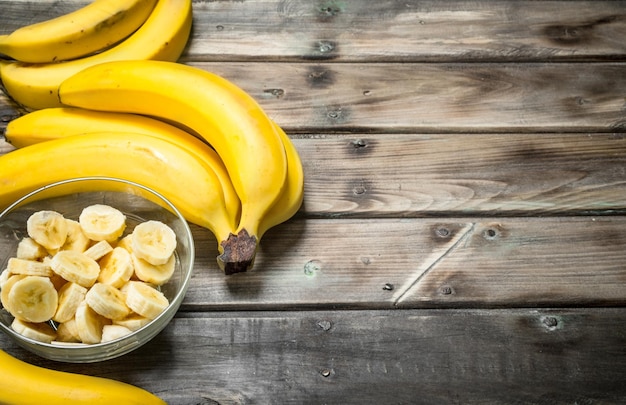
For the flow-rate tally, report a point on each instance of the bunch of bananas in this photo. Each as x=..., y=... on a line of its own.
x=47, y=53
x=132, y=112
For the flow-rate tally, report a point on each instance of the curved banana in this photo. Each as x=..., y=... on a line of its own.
x=89, y=29
x=170, y=170
x=228, y=118
x=25, y=384
x=163, y=36
x=290, y=200
x=53, y=123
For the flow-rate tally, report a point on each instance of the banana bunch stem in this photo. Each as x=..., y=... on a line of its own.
x=239, y=252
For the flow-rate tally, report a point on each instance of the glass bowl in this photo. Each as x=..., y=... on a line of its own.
x=139, y=204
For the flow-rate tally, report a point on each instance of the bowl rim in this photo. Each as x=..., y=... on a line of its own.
x=133, y=344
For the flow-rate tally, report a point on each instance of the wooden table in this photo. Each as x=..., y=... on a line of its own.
x=463, y=235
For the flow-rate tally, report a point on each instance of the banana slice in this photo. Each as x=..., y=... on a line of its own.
x=57, y=280
x=76, y=239
x=4, y=277
x=126, y=243
x=70, y=296
x=28, y=249
x=154, y=274
x=33, y=299
x=102, y=222
x=116, y=268
x=29, y=267
x=133, y=322
x=75, y=267
x=6, y=288
x=112, y=332
x=89, y=324
x=48, y=228
x=42, y=332
x=99, y=249
x=107, y=301
x=68, y=332
x=144, y=299
x=154, y=242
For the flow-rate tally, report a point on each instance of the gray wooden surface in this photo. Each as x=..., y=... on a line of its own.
x=463, y=234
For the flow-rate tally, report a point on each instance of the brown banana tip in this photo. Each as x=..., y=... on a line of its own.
x=239, y=252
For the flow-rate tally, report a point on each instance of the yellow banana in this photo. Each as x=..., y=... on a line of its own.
x=290, y=200
x=170, y=170
x=228, y=118
x=89, y=29
x=22, y=383
x=54, y=123
x=163, y=37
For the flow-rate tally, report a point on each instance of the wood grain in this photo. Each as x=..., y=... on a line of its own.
x=463, y=230
x=431, y=98
x=418, y=175
x=408, y=31
x=387, y=30
x=392, y=357
x=384, y=175
x=417, y=263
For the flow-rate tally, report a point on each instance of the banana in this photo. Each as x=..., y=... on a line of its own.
x=53, y=123
x=67, y=332
x=133, y=322
x=154, y=242
x=84, y=31
x=102, y=222
x=76, y=239
x=75, y=267
x=33, y=299
x=26, y=384
x=48, y=228
x=116, y=267
x=163, y=36
x=126, y=243
x=112, y=332
x=89, y=324
x=28, y=249
x=70, y=296
x=228, y=118
x=6, y=288
x=98, y=250
x=144, y=299
x=186, y=181
x=41, y=332
x=290, y=200
x=154, y=274
x=107, y=301
x=29, y=267
x=4, y=277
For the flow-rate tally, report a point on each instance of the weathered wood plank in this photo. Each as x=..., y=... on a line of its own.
x=418, y=263
x=358, y=30
x=391, y=357
x=379, y=97
x=457, y=121
x=432, y=97
x=421, y=175
x=386, y=175
x=391, y=30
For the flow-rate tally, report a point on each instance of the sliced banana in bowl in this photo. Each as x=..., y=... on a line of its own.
x=92, y=271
